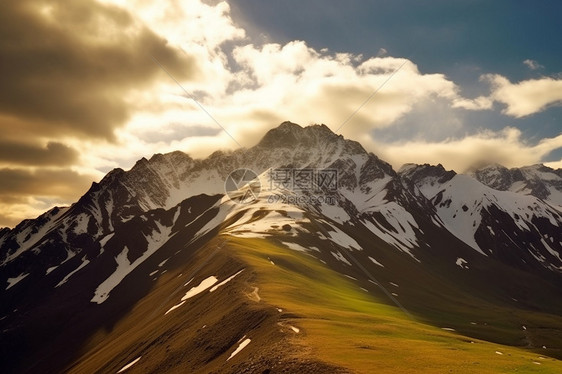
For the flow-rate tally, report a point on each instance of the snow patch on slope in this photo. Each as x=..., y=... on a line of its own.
x=225, y=281
x=462, y=200
x=129, y=365
x=83, y=264
x=340, y=257
x=224, y=209
x=273, y=216
x=462, y=263
x=334, y=212
x=28, y=238
x=205, y=284
x=342, y=239
x=375, y=262
x=296, y=247
x=124, y=267
x=240, y=347
x=391, y=238
x=13, y=281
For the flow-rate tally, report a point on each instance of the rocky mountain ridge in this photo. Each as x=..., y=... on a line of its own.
x=107, y=251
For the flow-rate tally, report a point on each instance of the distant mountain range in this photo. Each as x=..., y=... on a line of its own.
x=318, y=264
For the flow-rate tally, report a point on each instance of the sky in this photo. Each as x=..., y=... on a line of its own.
x=91, y=85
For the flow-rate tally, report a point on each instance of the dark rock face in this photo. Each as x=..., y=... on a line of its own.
x=132, y=224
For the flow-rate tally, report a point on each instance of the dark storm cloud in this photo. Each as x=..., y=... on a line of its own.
x=30, y=154
x=17, y=184
x=67, y=65
x=26, y=194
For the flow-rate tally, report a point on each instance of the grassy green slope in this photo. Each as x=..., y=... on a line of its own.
x=343, y=325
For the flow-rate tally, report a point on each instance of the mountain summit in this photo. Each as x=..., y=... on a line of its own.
x=536, y=180
x=289, y=134
x=331, y=262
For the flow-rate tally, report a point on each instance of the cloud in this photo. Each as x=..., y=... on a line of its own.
x=296, y=81
x=532, y=64
x=505, y=147
x=22, y=153
x=69, y=73
x=59, y=183
x=14, y=211
x=81, y=94
x=258, y=87
x=554, y=164
x=67, y=66
x=167, y=133
x=199, y=30
x=520, y=99
x=27, y=193
x=526, y=97
x=478, y=103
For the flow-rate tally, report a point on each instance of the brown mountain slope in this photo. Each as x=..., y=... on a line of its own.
x=200, y=335
x=291, y=314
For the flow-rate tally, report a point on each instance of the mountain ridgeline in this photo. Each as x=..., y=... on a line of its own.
x=97, y=286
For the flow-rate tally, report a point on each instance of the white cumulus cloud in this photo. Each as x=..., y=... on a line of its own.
x=506, y=147
x=526, y=97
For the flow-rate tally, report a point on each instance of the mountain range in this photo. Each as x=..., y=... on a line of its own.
x=324, y=260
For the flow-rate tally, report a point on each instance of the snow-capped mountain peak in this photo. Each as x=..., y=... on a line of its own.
x=537, y=180
x=311, y=193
